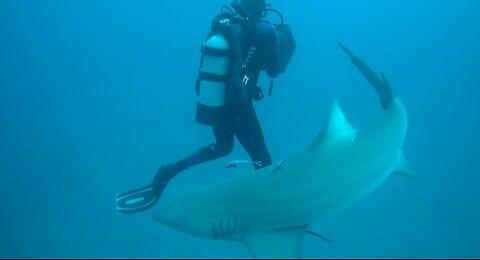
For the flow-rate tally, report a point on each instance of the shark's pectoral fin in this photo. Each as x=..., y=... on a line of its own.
x=283, y=243
x=402, y=167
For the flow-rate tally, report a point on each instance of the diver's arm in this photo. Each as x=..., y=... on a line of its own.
x=235, y=91
x=233, y=35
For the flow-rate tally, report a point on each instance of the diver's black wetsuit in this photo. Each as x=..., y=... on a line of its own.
x=240, y=118
x=243, y=124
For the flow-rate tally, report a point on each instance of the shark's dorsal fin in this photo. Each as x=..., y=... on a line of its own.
x=402, y=167
x=336, y=129
x=283, y=243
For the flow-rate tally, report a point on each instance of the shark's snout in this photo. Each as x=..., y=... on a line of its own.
x=162, y=214
x=158, y=217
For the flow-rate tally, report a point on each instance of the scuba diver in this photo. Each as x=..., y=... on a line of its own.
x=239, y=46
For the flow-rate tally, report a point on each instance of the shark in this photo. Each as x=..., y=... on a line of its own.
x=270, y=210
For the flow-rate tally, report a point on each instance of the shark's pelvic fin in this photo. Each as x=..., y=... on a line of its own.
x=336, y=129
x=283, y=243
x=402, y=167
x=312, y=231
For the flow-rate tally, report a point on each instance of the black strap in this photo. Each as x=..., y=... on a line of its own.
x=213, y=77
x=215, y=52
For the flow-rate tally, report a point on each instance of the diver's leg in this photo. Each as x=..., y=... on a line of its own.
x=144, y=198
x=250, y=135
x=222, y=147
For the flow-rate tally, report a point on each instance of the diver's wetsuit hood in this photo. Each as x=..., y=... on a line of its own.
x=250, y=9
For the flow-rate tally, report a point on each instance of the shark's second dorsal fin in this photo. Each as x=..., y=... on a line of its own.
x=336, y=129
x=275, y=244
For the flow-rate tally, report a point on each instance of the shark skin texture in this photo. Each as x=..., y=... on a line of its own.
x=269, y=210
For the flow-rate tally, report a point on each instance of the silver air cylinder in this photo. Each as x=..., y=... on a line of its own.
x=212, y=80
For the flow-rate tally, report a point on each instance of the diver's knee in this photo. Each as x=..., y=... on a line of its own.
x=223, y=150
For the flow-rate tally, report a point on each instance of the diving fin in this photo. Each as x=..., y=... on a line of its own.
x=142, y=199
x=137, y=200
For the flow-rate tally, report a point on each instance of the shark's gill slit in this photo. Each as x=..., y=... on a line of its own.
x=220, y=228
x=214, y=233
x=228, y=228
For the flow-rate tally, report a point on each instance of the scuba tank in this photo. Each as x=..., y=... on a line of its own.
x=212, y=80
x=214, y=76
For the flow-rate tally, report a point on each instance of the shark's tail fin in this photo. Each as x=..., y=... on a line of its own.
x=381, y=85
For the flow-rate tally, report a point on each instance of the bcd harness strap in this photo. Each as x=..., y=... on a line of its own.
x=213, y=77
x=215, y=52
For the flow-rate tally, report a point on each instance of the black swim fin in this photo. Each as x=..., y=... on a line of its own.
x=137, y=200
x=144, y=198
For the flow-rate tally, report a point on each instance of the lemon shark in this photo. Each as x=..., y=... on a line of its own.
x=269, y=210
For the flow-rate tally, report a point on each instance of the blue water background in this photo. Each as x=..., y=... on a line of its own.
x=96, y=95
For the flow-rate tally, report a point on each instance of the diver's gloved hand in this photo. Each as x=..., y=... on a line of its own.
x=256, y=93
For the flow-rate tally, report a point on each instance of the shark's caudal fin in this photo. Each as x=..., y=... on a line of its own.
x=284, y=243
x=381, y=85
x=402, y=167
x=336, y=129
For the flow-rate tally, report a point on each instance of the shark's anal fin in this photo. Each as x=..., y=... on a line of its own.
x=283, y=243
x=402, y=167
